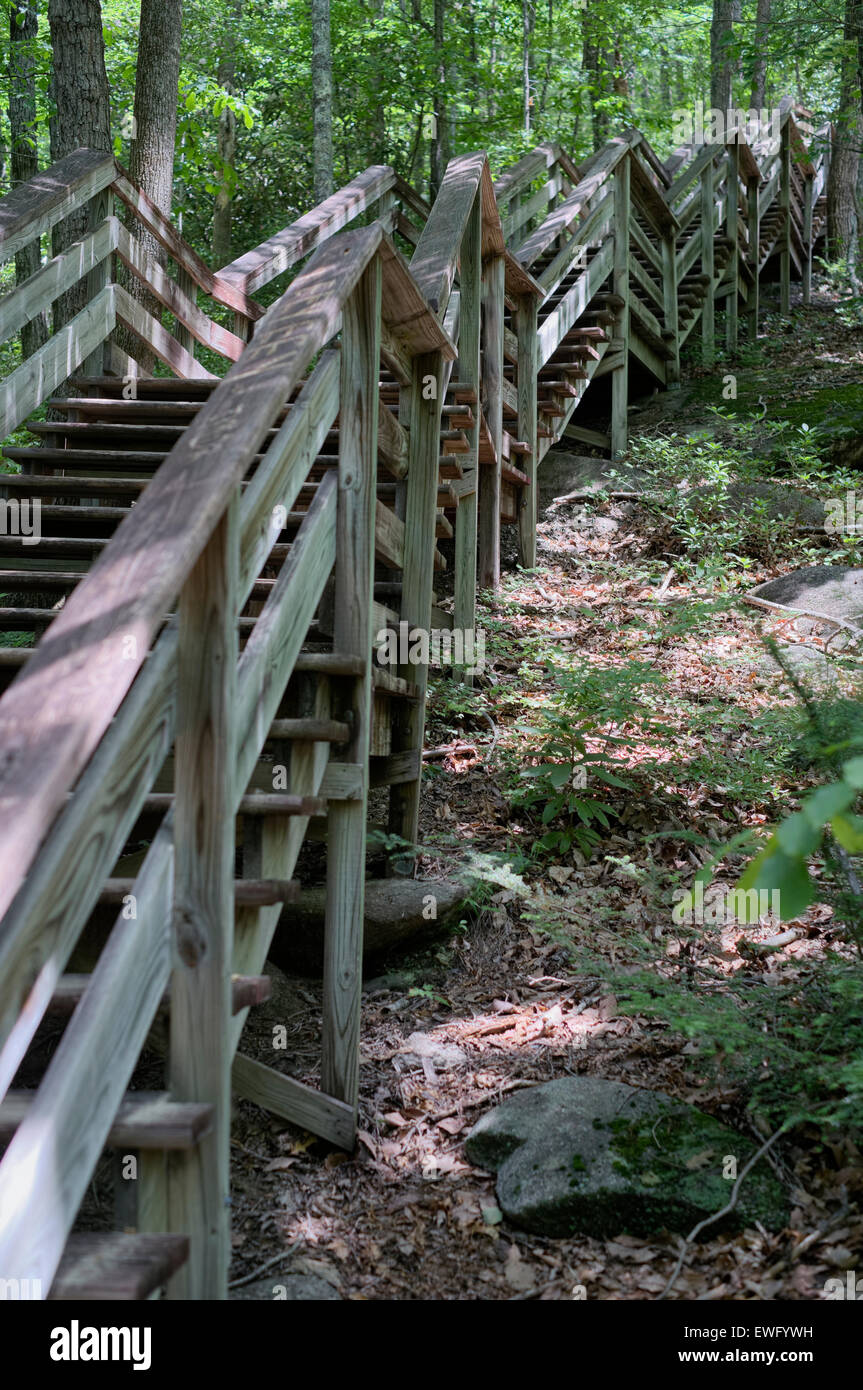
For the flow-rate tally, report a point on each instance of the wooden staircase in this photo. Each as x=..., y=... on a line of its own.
x=192, y=668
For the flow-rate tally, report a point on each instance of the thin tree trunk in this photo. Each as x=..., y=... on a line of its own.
x=721, y=61
x=439, y=152
x=759, y=64
x=527, y=20
x=844, y=165
x=24, y=158
x=226, y=138
x=322, y=100
x=81, y=117
x=154, y=129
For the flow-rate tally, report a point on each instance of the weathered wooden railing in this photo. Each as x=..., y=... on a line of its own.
x=609, y=263
x=90, y=720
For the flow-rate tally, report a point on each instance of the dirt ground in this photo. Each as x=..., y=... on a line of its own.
x=504, y=1002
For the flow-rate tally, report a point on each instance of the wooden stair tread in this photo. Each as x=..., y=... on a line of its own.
x=117, y=1267
x=144, y=1120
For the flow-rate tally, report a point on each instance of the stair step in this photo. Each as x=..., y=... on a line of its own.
x=144, y=1120
x=117, y=1267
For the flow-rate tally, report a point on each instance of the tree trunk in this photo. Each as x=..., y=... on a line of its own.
x=842, y=179
x=227, y=139
x=24, y=160
x=79, y=88
x=439, y=152
x=759, y=64
x=154, y=129
x=322, y=100
x=721, y=61
x=527, y=20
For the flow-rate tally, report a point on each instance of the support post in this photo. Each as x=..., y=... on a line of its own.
x=183, y=334
x=468, y=375
x=205, y=763
x=785, y=234
x=808, y=209
x=417, y=577
x=98, y=209
x=754, y=256
x=491, y=396
x=620, y=287
x=708, y=328
x=669, y=292
x=525, y=328
x=352, y=635
x=732, y=185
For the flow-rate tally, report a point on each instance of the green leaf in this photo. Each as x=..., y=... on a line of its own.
x=849, y=832
x=797, y=835
x=827, y=802
x=852, y=771
x=772, y=869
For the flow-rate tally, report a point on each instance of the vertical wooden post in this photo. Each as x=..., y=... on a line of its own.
x=620, y=287
x=785, y=205
x=525, y=328
x=669, y=292
x=708, y=330
x=754, y=256
x=468, y=375
x=352, y=635
x=98, y=209
x=491, y=396
x=732, y=184
x=190, y=289
x=206, y=797
x=808, y=207
x=418, y=576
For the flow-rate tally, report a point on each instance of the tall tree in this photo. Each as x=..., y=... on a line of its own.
x=24, y=159
x=322, y=99
x=227, y=136
x=527, y=22
x=81, y=114
x=439, y=153
x=759, y=61
x=721, y=61
x=842, y=225
x=154, y=128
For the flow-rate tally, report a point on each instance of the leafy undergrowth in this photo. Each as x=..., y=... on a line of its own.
x=629, y=733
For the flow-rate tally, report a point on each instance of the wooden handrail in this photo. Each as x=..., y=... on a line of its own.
x=282, y=251
x=35, y=206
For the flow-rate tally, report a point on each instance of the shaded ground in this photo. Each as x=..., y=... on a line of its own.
x=511, y=998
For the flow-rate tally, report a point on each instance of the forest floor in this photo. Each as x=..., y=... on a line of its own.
x=525, y=987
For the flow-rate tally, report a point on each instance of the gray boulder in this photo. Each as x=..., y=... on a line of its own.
x=289, y=1288
x=561, y=473
x=832, y=591
x=585, y=1156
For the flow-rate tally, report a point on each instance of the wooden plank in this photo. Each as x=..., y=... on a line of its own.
x=284, y=468
x=409, y=320
x=271, y=651
x=116, y=1266
x=491, y=391
x=37, y=205
x=392, y=443
x=435, y=260
x=389, y=536
x=144, y=1119
x=732, y=180
x=42, y=926
x=558, y=222
x=294, y=1101
x=158, y=225
x=525, y=321
x=169, y=293
x=470, y=282
x=55, y=1150
x=620, y=287
x=31, y=383
x=354, y=591
x=78, y=676
x=198, y=1191
x=574, y=303
x=708, y=345
x=278, y=253
x=20, y=305
x=163, y=343
x=518, y=176
x=785, y=234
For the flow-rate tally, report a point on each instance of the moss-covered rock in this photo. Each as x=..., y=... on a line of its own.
x=585, y=1156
